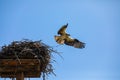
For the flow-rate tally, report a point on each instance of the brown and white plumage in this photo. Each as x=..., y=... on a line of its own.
x=65, y=38
x=62, y=30
x=74, y=42
x=59, y=39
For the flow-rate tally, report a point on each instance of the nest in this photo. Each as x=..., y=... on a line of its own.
x=28, y=49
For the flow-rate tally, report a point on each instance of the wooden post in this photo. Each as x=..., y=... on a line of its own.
x=20, y=76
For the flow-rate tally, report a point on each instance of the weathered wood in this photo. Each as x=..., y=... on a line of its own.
x=20, y=68
x=28, y=67
x=20, y=76
x=11, y=62
x=26, y=75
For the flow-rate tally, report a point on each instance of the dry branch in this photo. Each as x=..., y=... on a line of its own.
x=28, y=49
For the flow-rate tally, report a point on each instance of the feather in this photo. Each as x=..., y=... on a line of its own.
x=78, y=44
x=74, y=42
x=59, y=39
x=65, y=38
x=62, y=30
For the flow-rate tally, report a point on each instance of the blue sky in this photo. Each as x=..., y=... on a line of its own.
x=95, y=22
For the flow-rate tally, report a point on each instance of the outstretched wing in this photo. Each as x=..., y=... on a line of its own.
x=61, y=31
x=64, y=38
x=74, y=42
x=78, y=44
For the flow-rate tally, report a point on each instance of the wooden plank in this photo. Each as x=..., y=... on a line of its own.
x=20, y=68
x=10, y=68
x=26, y=75
x=12, y=62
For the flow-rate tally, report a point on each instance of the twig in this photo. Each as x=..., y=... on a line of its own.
x=17, y=58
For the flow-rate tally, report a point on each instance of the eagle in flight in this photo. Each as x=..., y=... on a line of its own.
x=64, y=38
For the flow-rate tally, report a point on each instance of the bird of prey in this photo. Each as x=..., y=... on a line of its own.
x=64, y=38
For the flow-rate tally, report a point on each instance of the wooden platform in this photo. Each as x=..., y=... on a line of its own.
x=12, y=68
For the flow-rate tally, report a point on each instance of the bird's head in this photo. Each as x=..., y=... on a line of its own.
x=59, y=39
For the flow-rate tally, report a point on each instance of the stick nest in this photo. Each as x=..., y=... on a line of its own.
x=28, y=49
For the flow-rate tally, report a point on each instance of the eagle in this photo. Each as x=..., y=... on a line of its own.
x=64, y=38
